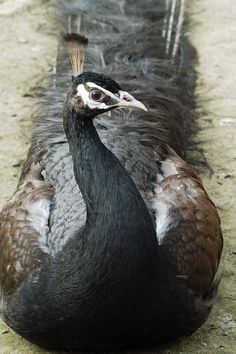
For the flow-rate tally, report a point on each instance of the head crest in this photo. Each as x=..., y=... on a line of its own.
x=76, y=45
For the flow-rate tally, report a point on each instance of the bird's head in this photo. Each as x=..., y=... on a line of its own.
x=96, y=93
x=92, y=93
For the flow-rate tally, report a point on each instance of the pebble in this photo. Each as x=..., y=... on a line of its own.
x=23, y=40
x=227, y=324
x=203, y=344
x=16, y=164
x=35, y=49
x=227, y=121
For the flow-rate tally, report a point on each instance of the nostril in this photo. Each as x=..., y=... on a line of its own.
x=127, y=99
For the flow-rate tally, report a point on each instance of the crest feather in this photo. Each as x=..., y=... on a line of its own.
x=76, y=45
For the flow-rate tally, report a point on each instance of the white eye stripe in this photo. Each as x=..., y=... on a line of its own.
x=84, y=94
x=121, y=94
x=108, y=93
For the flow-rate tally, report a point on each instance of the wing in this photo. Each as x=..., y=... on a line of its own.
x=23, y=231
x=187, y=222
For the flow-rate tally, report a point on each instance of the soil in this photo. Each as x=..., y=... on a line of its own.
x=28, y=52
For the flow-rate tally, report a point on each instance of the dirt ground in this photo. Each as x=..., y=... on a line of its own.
x=28, y=51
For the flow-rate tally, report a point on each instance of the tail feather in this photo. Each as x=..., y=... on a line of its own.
x=140, y=45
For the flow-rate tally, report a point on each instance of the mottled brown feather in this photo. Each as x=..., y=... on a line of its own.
x=21, y=254
x=194, y=236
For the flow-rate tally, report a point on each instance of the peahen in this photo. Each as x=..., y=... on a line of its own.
x=110, y=240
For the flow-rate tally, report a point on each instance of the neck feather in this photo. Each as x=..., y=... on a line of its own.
x=119, y=230
x=103, y=181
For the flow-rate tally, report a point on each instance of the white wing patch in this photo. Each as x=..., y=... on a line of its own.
x=162, y=207
x=173, y=192
x=168, y=168
x=38, y=218
x=163, y=221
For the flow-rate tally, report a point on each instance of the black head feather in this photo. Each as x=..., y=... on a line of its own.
x=98, y=79
x=75, y=38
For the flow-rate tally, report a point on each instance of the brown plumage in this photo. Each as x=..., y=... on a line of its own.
x=193, y=231
x=23, y=247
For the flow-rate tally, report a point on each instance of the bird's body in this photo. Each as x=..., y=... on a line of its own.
x=127, y=259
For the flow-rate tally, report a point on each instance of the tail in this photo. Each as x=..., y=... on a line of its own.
x=172, y=26
x=143, y=47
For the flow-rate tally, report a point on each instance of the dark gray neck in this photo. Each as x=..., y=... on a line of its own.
x=109, y=192
x=118, y=237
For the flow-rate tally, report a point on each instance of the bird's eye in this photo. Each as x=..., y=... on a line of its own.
x=96, y=95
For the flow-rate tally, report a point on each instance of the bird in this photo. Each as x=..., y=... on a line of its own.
x=128, y=258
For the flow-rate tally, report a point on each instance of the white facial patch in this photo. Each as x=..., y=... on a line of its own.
x=123, y=99
x=107, y=93
x=84, y=94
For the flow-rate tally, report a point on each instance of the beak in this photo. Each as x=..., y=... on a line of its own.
x=128, y=101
